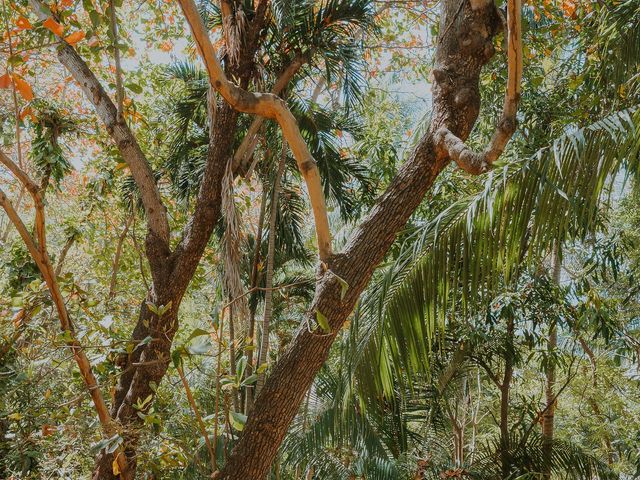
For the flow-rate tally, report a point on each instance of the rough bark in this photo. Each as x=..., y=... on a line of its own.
x=146, y=366
x=122, y=135
x=464, y=47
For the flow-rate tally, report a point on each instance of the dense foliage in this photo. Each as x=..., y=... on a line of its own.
x=500, y=336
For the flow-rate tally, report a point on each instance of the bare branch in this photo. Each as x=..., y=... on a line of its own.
x=467, y=159
x=113, y=25
x=268, y=106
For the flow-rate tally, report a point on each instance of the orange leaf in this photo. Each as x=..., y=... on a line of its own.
x=23, y=87
x=23, y=23
x=53, y=26
x=569, y=8
x=25, y=112
x=5, y=81
x=74, y=38
x=66, y=3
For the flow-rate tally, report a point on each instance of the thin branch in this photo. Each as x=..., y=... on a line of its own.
x=116, y=259
x=474, y=162
x=41, y=257
x=269, y=106
x=35, y=193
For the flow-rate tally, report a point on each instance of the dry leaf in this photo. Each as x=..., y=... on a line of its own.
x=5, y=81
x=25, y=112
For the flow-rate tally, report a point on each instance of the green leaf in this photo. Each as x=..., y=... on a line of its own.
x=134, y=87
x=250, y=380
x=145, y=341
x=152, y=308
x=323, y=322
x=96, y=18
x=198, y=332
x=344, y=286
x=238, y=420
x=262, y=368
x=176, y=357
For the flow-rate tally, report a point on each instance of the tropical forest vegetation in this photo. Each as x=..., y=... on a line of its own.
x=320, y=239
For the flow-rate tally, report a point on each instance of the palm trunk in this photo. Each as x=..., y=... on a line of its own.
x=268, y=296
x=552, y=343
x=505, y=442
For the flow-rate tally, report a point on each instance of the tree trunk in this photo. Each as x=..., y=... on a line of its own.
x=268, y=294
x=145, y=367
x=464, y=46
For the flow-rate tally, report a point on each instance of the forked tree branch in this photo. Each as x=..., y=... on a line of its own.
x=119, y=131
x=467, y=159
x=39, y=254
x=269, y=106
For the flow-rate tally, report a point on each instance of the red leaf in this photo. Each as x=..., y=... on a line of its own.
x=23, y=23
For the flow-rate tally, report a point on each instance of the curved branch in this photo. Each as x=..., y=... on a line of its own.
x=36, y=195
x=467, y=159
x=269, y=106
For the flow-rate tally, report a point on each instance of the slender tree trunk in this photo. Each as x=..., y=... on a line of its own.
x=465, y=45
x=248, y=406
x=268, y=295
x=505, y=389
x=7, y=227
x=552, y=343
x=232, y=356
x=144, y=368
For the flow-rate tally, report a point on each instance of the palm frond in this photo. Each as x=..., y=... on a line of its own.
x=454, y=264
